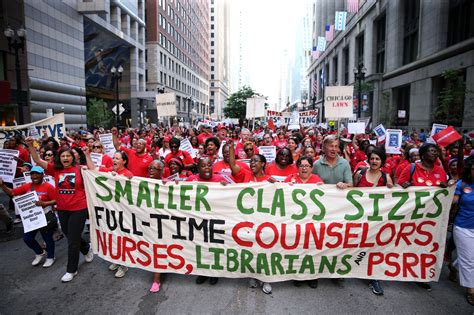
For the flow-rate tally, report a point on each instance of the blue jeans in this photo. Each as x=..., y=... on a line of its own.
x=30, y=240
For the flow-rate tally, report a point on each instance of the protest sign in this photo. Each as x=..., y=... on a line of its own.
x=306, y=118
x=356, y=128
x=338, y=102
x=437, y=128
x=107, y=141
x=255, y=107
x=294, y=122
x=446, y=136
x=96, y=159
x=269, y=152
x=272, y=232
x=54, y=127
x=166, y=104
x=393, y=141
x=32, y=216
x=186, y=146
x=17, y=182
x=380, y=132
x=8, y=164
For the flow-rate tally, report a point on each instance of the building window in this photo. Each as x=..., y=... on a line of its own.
x=410, y=30
x=212, y=26
x=345, y=54
x=212, y=35
x=380, y=44
x=402, y=99
x=212, y=68
x=212, y=59
x=212, y=77
x=460, y=23
x=212, y=43
x=360, y=49
x=334, y=62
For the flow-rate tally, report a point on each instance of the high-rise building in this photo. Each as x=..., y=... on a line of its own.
x=70, y=47
x=178, y=56
x=404, y=49
x=220, y=50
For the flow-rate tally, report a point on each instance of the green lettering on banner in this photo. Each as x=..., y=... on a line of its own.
x=307, y=264
x=403, y=198
x=240, y=206
x=418, y=205
x=276, y=263
x=232, y=257
x=304, y=208
x=360, y=212
x=143, y=194
x=157, y=203
x=246, y=257
x=201, y=192
x=171, y=205
x=262, y=264
x=331, y=266
x=318, y=203
x=260, y=207
x=291, y=259
x=199, y=263
x=375, y=216
x=217, y=258
x=183, y=197
x=278, y=202
x=439, y=206
x=99, y=181
x=345, y=262
x=122, y=191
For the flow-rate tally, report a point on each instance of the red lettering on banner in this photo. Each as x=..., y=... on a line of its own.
x=318, y=239
x=350, y=235
x=146, y=262
x=335, y=234
x=275, y=235
x=127, y=249
x=235, y=232
x=340, y=104
x=297, y=237
x=179, y=258
x=157, y=256
x=393, y=231
x=409, y=264
x=429, y=235
x=402, y=234
x=365, y=232
x=391, y=260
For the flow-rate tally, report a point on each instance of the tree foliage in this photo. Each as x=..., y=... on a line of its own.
x=236, y=103
x=450, y=107
x=98, y=114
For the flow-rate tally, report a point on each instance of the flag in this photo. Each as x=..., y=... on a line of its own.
x=352, y=6
x=340, y=20
x=321, y=43
x=271, y=124
x=315, y=53
x=329, y=32
x=315, y=87
x=446, y=136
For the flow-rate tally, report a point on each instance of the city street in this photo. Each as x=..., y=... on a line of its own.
x=34, y=290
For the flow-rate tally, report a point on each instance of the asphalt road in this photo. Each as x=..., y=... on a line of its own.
x=35, y=290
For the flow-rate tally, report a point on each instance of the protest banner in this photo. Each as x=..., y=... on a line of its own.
x=187, y=146
x=269, y=152
x=338, y=102
x=8, y=164
x=54, y=127
x=255, y=107
x=356, y=128
x=394, y=141
x=446, y=136
x=32, y=216
x=17, y=182
x=96, y=159
x=272, y=232
x=294, y=122
x=166, y=104
x=380, y=132
x=437, y=128
x=107, y=141
x=306, y=118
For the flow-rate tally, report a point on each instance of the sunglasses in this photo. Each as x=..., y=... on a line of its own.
x=249, y=149
x=96, y=147
x=48, y=154
x=174, y=146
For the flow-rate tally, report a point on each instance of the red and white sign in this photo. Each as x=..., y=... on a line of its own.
x=446, y=136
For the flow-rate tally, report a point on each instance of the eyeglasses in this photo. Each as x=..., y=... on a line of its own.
x=305, y=166
x=174, y=146
x=96, y=147
x=248, y=149
x=155, y=168
x=48, y=154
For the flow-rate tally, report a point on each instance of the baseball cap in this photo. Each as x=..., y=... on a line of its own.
x=37, y=169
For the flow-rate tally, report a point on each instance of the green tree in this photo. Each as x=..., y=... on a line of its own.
x=236, y=103
x=98, y=114
x=450, y=107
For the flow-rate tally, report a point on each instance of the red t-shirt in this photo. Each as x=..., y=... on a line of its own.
x=137, y=163
x=240, y=153
x=45, y=191
x=223, y=167
x=202, y=137
x=422, y=177
x=183, y=155
x=401, y=166
x=216, y=178
x=294, y=178
x=106, y=161
x=280, y=144
x=363, y=182
x=359, y=156
x=273, y=170
x=70, y=192
x=124, y=172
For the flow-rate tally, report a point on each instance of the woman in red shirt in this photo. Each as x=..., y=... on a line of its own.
x=71, y=204
x=304, y=175
x=119, y=165
x=283, y=165
x=98, y=147
x=47, y=198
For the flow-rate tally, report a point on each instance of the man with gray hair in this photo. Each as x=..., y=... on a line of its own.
x=244, y=138
x=332, y=168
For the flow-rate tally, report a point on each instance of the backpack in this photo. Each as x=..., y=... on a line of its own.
x=384, y=175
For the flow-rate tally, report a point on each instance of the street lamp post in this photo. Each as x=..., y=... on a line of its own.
x=117, y=74
x=16, y=43
x=359, y=75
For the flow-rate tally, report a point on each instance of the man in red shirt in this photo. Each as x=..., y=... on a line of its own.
x=224, y=167
x=239, y=149
x=138, y=158
x=222, y=133
x=207, y=133
x=176, y=152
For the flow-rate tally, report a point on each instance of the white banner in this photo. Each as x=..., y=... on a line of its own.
x=108, y=143
x=54, y=127
x=166, y=104
x=32, y=216
x=356, y=128
x=8, y=164
x=338, y=102
x=272, y=232
x=255, y=107
x=307, y=118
